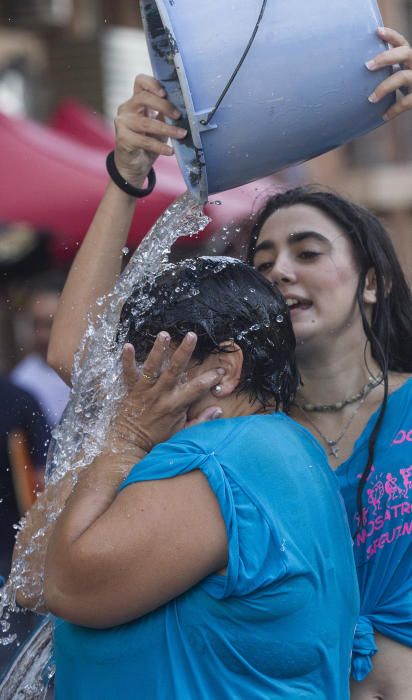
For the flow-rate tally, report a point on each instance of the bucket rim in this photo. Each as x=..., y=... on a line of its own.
x=199, y=190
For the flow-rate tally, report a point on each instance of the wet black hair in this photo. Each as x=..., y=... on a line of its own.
x=389, y=332
x=219, y=299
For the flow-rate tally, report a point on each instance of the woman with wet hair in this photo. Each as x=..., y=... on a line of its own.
x=216, y=563
x=351, y=310
x=219, y=298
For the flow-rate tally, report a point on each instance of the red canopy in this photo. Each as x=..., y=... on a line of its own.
x=54, y=177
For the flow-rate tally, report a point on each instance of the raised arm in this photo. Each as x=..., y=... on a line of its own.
x=141, y=136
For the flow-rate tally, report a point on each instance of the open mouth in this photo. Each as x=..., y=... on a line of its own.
x=294, y=303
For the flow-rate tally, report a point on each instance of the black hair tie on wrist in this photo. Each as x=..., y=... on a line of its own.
x=126, y=186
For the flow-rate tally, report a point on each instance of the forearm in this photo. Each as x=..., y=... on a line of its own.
x=93, y=274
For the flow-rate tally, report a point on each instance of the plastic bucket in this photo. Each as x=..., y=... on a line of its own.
x=263, y=84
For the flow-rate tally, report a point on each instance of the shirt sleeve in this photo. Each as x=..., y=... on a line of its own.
x=251, y=542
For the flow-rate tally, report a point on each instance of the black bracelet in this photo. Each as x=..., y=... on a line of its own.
x=126, y=186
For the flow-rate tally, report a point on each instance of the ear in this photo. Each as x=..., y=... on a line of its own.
x=232, y=362
x=370, y=288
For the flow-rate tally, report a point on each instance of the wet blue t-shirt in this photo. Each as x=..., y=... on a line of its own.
x=383, y=545
x=279, y=624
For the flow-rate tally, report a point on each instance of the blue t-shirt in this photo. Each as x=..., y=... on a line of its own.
x=383, y=544
x=279, y=624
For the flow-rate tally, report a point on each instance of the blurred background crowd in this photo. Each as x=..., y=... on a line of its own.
x=65, y=66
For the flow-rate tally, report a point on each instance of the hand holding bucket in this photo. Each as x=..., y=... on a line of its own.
x=262, y=85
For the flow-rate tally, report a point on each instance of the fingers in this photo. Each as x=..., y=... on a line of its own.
x=400, y=54
x=180, y=360
x=200, y=386
x=140, y=122
x=189, y=391
x=145, y=101
x=158, y=396
x=398, y=81
x=402, y=105
x=392, y=57
x=129, y=140
x=208, y=414
x=154, y=362
x=160, y=128
x=169, y=378
x=392, y=37
x=137, y=131
x=129, y=364
x=148, y=83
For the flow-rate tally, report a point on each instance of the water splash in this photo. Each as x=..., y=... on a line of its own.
x=29, y=675
x=97, y=390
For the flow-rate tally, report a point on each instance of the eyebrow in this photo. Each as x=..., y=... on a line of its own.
x=303, y=235
x=296, y=237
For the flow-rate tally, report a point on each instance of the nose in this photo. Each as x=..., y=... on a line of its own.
x=282, y=272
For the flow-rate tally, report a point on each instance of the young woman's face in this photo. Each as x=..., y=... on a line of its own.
x=307, y=255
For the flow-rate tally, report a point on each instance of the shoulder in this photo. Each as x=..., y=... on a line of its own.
x=25, y=366
x=35, y=373
x=211, y=434
x=400, y=386
x=224, y=429
x=398, y=379
x=256, y=433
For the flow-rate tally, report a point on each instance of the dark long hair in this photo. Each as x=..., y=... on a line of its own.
x=219, y=299
x=389, y=332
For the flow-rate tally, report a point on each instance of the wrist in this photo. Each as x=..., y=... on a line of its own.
x=122, y=441
x=130, y=184
x=136, y=173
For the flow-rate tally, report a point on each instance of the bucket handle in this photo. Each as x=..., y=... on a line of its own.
x=205, y=122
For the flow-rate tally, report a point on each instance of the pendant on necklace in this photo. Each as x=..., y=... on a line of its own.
x=334, y=450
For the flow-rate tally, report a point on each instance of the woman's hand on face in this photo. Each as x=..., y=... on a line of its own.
x=158, y=396
x=141, y=132
x=400, y=58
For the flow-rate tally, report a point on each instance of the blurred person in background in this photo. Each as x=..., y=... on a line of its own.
x=24, y=437
x=33, y=373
